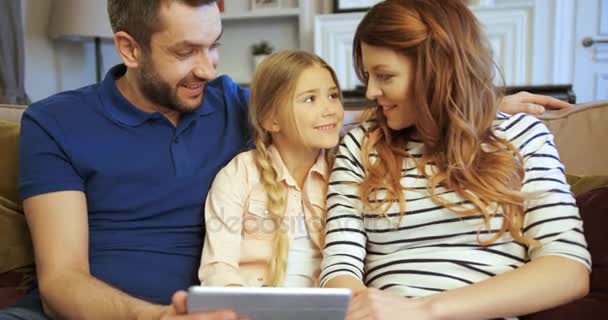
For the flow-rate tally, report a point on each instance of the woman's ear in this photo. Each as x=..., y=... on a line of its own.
x=128, y=49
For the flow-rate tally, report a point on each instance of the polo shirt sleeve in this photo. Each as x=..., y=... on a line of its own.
x=44, y=165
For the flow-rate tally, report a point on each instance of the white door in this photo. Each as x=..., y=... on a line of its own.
x=591, y=53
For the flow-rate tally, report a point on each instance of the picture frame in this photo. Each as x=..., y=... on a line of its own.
x=265, y=4
x=353, y=5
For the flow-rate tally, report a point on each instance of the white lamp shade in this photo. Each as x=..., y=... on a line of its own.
x=79, y=19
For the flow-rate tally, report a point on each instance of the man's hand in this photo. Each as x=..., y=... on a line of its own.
x=530, y=103
x=178, y=311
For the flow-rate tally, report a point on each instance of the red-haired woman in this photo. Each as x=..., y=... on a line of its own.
x=441, y=207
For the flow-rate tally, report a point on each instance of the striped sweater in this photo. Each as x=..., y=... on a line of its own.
x=433, y=249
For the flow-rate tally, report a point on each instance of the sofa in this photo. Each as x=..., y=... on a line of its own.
x=16, y=261
x=581, y=135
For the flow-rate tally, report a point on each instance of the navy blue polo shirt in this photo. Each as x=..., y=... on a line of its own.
x=145, y=180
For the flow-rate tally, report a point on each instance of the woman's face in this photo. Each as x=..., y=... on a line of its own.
x=390, y=75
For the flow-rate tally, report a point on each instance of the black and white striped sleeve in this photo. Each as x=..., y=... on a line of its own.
x=551, y=214
x=345, y=242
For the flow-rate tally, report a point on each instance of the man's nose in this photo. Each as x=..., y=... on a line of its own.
x=205, y=67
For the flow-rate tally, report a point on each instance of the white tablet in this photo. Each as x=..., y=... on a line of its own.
x=272, y=303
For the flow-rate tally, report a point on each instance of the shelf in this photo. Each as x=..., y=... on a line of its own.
x=268, y=13
x=288, y=26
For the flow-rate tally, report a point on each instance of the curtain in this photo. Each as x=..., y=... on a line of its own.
x=12, y=57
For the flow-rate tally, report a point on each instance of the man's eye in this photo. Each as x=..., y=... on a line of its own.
x=185, y=53
x=216, y=45
x=334, y=96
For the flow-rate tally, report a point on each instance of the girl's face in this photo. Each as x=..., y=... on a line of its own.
x=317, y=111
x=390, y=76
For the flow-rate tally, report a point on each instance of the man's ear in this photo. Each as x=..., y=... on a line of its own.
x=128, y=49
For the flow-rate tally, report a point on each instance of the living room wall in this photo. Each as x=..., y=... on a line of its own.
x=53, y=66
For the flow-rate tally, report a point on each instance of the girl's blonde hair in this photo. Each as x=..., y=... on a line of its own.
x=455, y=104
x=272, y=91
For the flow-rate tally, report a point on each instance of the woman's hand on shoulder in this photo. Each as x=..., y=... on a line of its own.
x=374, y=304
x=530, y=103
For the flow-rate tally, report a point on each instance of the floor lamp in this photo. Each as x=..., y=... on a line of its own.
x=81, y=20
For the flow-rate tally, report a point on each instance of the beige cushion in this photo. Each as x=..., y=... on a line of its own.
x=581, y=136
x=15, y=243
x=16, y=253
x=9, y=138
x=11, y=113
x=582, y=184
x=16, y=246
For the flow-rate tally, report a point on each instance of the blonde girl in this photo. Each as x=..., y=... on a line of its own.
x=265, y=212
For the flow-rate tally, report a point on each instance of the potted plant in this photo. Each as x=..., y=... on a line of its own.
x=260, y=51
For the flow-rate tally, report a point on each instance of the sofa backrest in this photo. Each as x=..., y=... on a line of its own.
x=9, y=140
x=581, y=135
x=11, y=113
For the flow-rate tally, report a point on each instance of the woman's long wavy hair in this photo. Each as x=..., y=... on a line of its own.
x=455, y=104
x=272, y=91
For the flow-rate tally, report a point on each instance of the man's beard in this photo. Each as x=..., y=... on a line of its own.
x=160, y=92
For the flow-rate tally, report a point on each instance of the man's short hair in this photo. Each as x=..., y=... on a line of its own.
x=139, y=18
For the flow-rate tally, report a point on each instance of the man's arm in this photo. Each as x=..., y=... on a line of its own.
x=530, y=103
x=59, y=228
x=525, y=102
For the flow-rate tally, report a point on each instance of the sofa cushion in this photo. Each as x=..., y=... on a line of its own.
x=591, y=307
x=9, y=138
x=15, y=243
x=16, y=254
x=17, y=263
x=580, y=184
x=11, y=113
x=594, y=212
x=14, y=285
x=580, y=135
